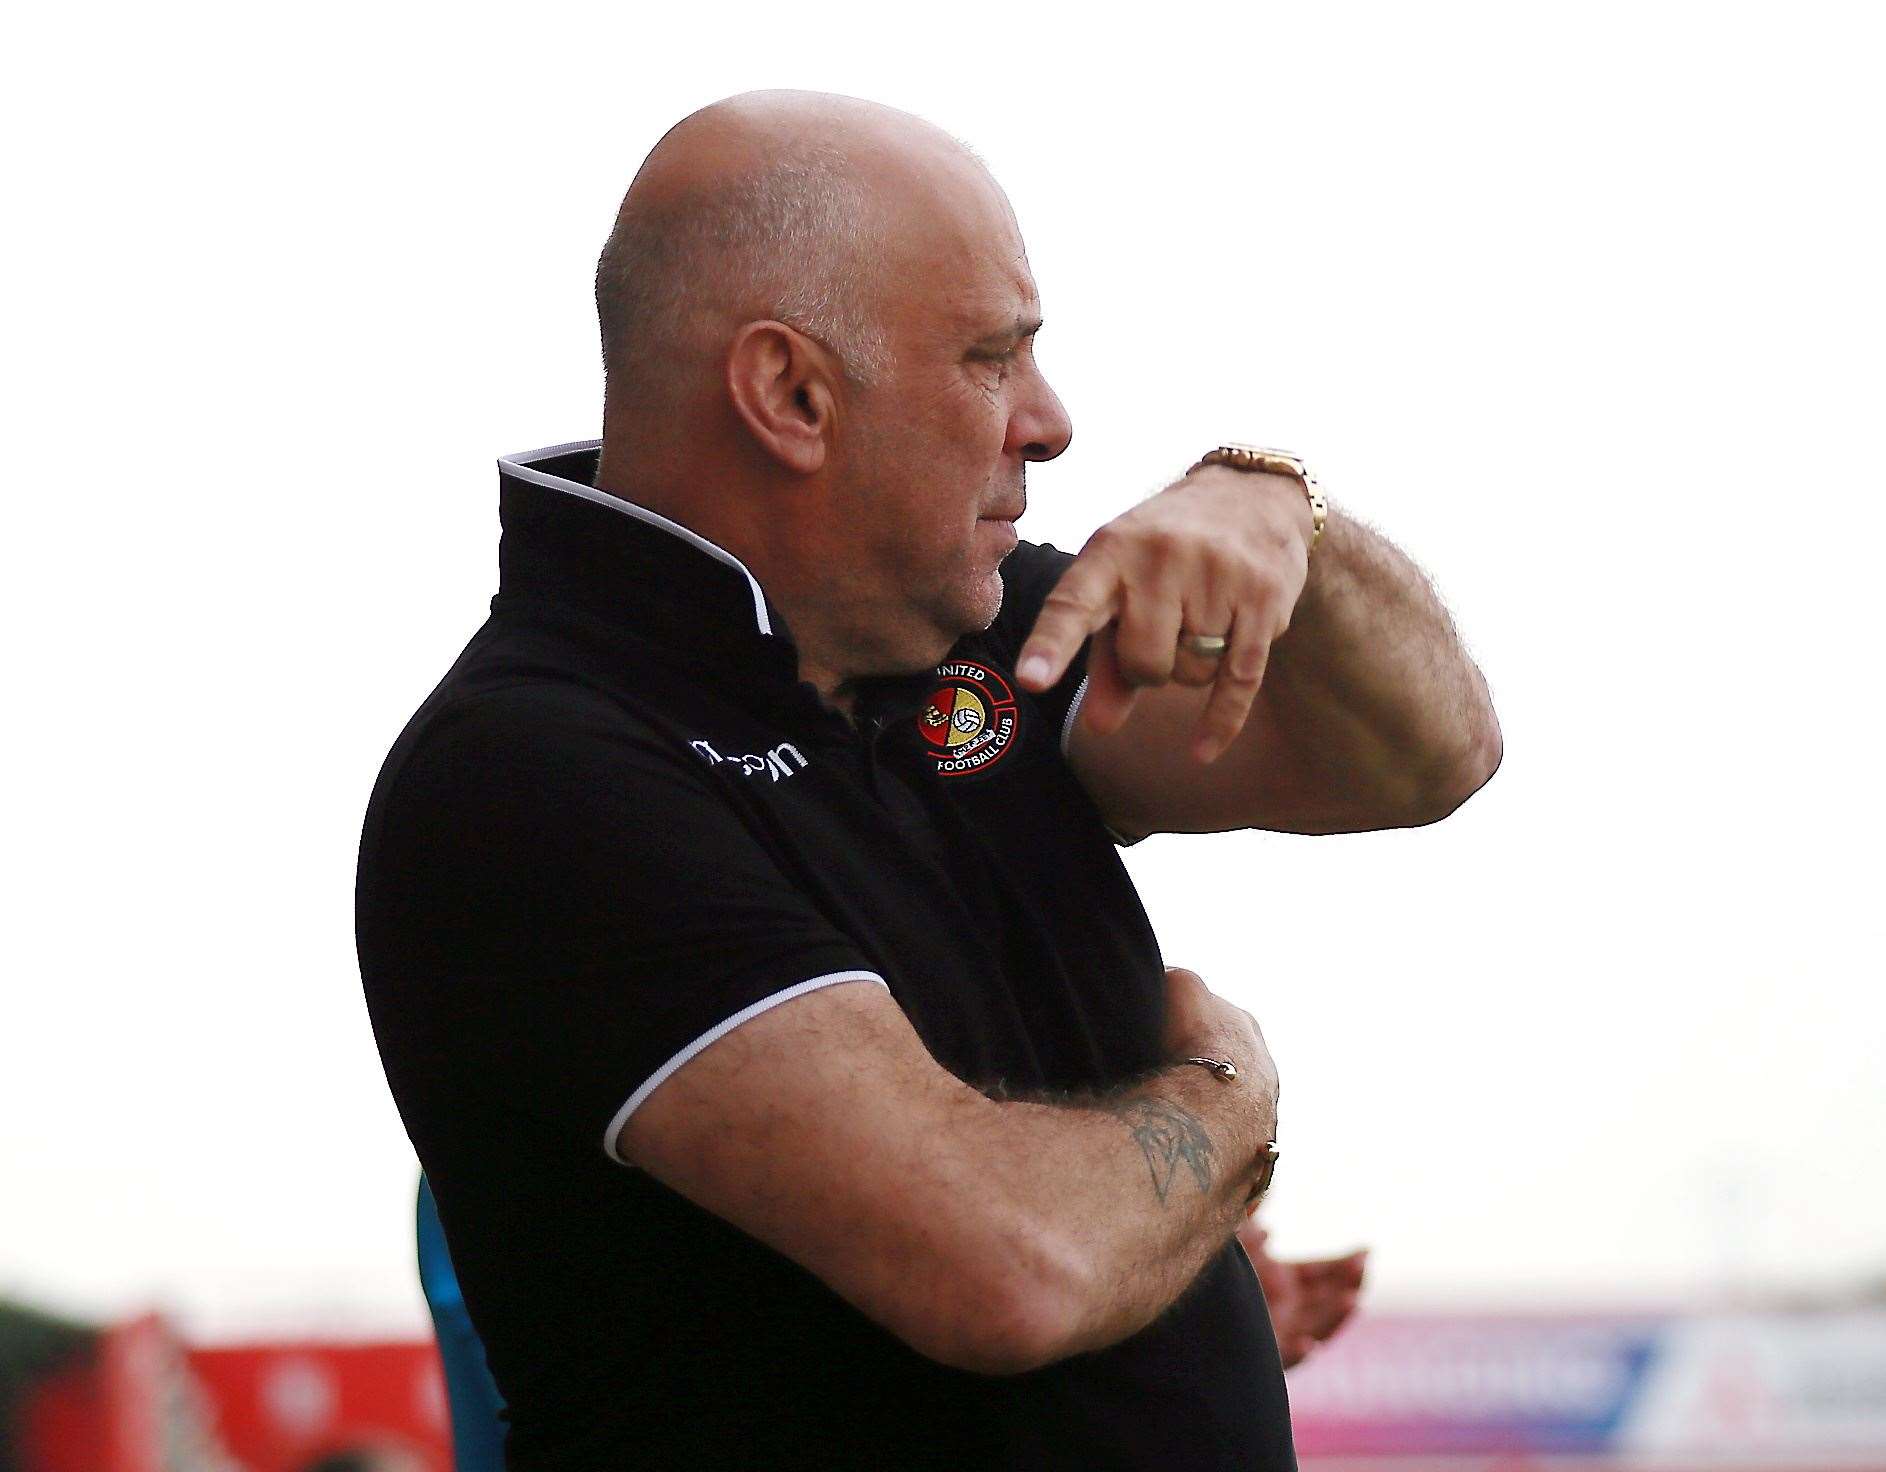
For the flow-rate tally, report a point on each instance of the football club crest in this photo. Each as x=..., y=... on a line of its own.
x=970, y=723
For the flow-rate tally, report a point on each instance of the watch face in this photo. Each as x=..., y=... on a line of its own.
x=1282, y=462
x=1274, y=462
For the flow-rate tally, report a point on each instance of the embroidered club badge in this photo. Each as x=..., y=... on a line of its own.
x=971, y=722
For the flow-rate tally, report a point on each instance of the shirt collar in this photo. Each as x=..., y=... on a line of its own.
x=635, y=569
x=649, y=576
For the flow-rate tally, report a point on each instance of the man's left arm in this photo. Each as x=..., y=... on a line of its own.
x=1344, y=700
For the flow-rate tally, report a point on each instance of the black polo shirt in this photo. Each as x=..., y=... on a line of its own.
x=620, y=827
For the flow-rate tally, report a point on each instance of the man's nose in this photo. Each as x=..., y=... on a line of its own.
x=1040, y=428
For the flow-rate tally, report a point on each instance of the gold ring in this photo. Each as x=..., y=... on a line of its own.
x=1205, y=646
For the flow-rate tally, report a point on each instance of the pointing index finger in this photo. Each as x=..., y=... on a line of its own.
x=1081, y=603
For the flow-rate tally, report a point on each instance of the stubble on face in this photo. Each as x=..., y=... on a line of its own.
x=925, y=563
x=940, y=430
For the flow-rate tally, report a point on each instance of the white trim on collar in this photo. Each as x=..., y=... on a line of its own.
x=520, y=466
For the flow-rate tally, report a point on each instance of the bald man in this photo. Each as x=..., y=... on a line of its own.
x=742, y=918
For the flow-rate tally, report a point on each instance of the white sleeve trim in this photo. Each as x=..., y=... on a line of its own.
x=1067, y=737
x=746, y=1014
x=1073, y=710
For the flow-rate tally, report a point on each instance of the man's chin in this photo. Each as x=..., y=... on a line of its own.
x=968, y=610
x=987, y=604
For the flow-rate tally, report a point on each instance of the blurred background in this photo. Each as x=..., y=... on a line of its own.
x=1581, y=305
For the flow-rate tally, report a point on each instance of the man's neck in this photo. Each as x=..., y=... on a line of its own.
x=836, y=677
x=835, y=643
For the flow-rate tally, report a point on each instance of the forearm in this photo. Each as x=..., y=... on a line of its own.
x=1136, y=1190
x=1342, y=699
x=1371, y=687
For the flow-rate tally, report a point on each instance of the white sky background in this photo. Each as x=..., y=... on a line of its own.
x=1581, y=304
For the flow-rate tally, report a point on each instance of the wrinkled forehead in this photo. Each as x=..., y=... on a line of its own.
x=961, y=268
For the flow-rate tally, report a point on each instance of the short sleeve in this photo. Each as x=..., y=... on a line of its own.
x=1029, y=574
x=556, y=912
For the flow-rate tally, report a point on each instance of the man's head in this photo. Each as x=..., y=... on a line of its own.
x=719, y=228
x=817, y=322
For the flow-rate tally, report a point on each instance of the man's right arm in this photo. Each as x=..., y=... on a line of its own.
x=992, y=1235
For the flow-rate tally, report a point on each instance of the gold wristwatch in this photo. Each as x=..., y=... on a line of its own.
x=1274, y=462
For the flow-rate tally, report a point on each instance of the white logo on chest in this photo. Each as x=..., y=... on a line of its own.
x=782, y=761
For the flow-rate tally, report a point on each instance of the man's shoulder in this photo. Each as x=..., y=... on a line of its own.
x=513, y=711
x=556, y=667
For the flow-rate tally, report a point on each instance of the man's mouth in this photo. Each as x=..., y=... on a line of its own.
x=1005, y=525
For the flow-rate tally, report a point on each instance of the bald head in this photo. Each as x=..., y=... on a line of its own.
x=786, y=206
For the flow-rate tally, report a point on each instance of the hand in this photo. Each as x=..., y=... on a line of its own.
x=1199, y=1022
x=1309, y=1301
x=1222, y=551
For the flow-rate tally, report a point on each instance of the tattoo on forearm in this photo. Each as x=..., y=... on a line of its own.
x=1170, y=1138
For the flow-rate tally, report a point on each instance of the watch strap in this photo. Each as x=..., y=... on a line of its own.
x=1274, y=462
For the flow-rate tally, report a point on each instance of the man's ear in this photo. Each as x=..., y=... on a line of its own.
x=780, y=382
